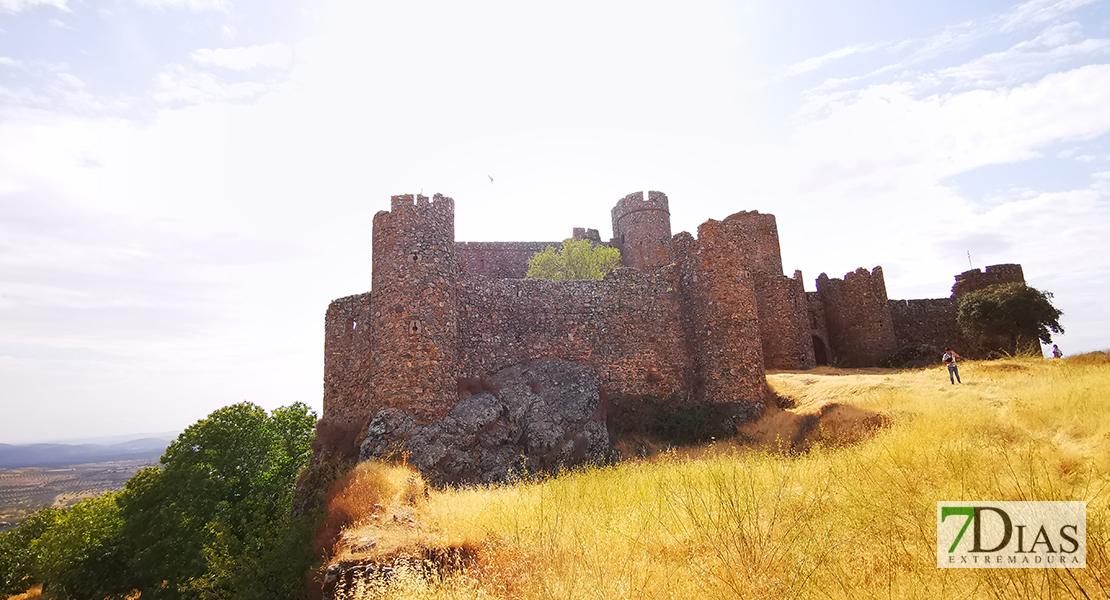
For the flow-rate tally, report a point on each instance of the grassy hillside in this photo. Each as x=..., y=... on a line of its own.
x=745, y=520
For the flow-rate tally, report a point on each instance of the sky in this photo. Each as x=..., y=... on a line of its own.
x=186, y=184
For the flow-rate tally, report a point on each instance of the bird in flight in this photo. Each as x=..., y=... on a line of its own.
x=490, y=179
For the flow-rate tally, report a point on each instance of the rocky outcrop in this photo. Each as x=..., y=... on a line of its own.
x=537, y=416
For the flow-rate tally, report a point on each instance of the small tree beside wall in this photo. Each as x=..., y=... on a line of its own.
x=1014, y=312
x=577, y=259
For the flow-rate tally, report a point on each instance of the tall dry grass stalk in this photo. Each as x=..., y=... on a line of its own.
x=848, y=522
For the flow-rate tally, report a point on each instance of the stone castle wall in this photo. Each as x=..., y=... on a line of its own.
x=784, y=322
x=504, y=260
x=861, y=331
x=347, y=380
x=929, y=323
x=625, y=326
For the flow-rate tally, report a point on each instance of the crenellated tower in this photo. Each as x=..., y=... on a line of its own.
x=642, y=230
x=970, y=281
x=721, y=315
x=861, y=330
x=414, y=339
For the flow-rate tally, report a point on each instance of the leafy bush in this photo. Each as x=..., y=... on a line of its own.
x=19, y=551
x=577, y=259
x=80, y=555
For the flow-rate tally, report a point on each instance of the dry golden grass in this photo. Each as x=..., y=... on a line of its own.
x=855, y=521
x=32, y=594
x=371, y=511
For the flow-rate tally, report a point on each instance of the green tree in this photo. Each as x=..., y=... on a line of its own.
x=577, y=259
x=79, y=556
x=1014, y=312
x=19, y=552
x=215, y=521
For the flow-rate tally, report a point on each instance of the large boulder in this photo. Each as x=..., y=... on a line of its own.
x=537, y=416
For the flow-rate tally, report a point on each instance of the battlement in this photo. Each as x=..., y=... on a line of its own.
x=858, y=317
x=581, y=233
x=419, y=202
x=635, y=202
x=970, y=281
x=416, y=211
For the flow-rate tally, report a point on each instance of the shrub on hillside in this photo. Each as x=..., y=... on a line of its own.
x=19, y=552
x=353, y=498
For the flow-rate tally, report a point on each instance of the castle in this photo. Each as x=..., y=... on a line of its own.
x=689, y=320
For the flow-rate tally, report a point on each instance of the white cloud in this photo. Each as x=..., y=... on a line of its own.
x=274, y=56
x=15, y=6
x=1101, y=182
x=1054, y=36
x=193, y=5
x=1038, y=11
x=812, y=64
x=52, y=86
x=961, y=36
x=1054, y=47
x=177, y=83
x=10, y=62
x=955, y=132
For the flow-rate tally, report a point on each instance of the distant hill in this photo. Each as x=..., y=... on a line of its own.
x=57, y=455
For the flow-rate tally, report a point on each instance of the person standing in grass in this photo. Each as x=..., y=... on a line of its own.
x=1056, y=353
x=949, y=359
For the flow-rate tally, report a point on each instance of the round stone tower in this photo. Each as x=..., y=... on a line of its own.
x=642, y=230
x=413, y=343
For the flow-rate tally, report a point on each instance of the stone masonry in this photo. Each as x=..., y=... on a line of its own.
x=690, y=320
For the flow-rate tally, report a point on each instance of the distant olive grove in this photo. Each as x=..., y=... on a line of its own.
x=214, y=520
